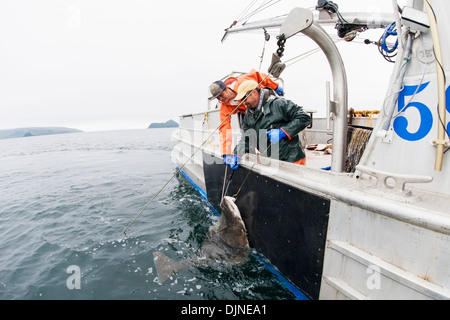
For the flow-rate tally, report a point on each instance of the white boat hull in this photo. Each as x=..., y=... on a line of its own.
x=378, y=231
x=378, y=243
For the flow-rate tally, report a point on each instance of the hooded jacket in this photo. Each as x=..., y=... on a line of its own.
x=274, y=113
x=226, y=109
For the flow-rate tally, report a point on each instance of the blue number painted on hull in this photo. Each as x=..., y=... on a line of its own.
x=401, y=123
x=426, y=117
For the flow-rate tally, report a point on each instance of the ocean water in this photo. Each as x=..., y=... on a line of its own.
x=65, y=201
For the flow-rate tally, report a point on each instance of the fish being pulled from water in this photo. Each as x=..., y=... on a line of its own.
x=226, y=241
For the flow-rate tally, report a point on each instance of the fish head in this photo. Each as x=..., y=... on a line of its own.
x=235, y=233
x=228, y=203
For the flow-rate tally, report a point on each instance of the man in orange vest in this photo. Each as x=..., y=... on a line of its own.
x=226, y=91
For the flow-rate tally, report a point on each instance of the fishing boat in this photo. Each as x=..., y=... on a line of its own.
x=368, y=216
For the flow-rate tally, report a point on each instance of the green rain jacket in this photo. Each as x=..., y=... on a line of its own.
x=273, y=113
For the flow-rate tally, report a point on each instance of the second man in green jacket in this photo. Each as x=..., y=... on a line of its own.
x=269, y=121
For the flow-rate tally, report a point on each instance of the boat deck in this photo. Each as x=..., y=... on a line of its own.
x=318, y=159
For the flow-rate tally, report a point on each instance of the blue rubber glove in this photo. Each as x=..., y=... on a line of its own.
x=232, y=160
x=279, y=90
x=275, y=135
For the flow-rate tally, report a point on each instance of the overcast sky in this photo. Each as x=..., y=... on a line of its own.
x=116, y=64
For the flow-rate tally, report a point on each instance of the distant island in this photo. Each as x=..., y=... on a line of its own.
x=35, y=131
x=168, y=124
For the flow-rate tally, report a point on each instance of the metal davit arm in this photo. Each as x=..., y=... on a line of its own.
x=340, y=94
x=302, y=20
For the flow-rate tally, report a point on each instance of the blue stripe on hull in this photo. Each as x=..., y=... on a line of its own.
x=283, y=281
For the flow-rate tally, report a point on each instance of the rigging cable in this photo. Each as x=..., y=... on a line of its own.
x=266, y=39
x=244, y=16
x=305, y=55
x=246, y=10
x=418, y=87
